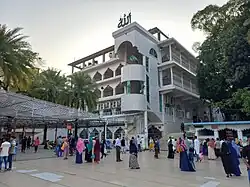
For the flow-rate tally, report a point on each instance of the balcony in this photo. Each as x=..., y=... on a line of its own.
x=133, y=102
x=133, y=72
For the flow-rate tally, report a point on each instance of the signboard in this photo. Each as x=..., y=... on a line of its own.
x=125, y=20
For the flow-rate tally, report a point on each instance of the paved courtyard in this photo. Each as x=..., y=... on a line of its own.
x=40, y=171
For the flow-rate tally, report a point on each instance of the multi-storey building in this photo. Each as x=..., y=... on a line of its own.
x=146, y=80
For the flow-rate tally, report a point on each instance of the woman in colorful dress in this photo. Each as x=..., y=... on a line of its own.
x=186, y=163
x=133, y=161
x=211, y=148
x=97, y=150
x=79, y=150
x=65, y=148
x=88, y=153
x=151, y=144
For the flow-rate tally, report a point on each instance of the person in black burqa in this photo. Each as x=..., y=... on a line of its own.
x=123, y=144
x=24, y=144
x=246, y=156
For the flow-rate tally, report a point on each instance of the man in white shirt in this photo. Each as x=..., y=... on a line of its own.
x=118, y=149
x=4, y=153
x=196, y=148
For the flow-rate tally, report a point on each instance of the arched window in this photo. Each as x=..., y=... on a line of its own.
x=108, y=74
x=108, y=91
x=98, y=93
x=119, y=89
x=118, y=70
x=97, y=76
x=153, y=52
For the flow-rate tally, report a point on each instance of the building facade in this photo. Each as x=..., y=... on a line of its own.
x=146, y=80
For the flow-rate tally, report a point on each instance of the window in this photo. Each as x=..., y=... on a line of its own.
x=108, y=91
x=108, y=74
x=160, y=102
x=147, y=88
x=97, y=76
x=147, y=64
x=118, y=70
x=153, y=52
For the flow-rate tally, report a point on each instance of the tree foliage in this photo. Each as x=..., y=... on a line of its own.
x=16, y=58
x=225, y=54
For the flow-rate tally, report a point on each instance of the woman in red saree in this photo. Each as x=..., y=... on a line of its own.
x=97, y=150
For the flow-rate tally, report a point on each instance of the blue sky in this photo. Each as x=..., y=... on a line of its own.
x=62, y=30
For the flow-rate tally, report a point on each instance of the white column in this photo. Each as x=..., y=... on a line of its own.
x=182, y=80
x=170, y=53
x=161, y=79
x=196, y=133
x=172, y=75
x=146, y=128
x=113, y=135
x=240, y=134
x=105, y=127
x=216, y=133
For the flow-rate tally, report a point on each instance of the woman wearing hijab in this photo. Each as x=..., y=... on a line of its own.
x=186, y=161
x=97, y=150
x=170, y=149
x=103, y=148
x=79, y=149
x=157, y=148
x=211, y=148
x=65, y=148
x=88, y=153
x=133, y=161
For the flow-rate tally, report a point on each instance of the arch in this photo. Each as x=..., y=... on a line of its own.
x=153, y=52
x=118, y=70
x=97, y=76
x=119, y=89
x=108, y=134
x=98, y=93
x=222, y=133
x=205, y=132
x=154, y=132
x=84, y=134
x=95, y=133
x=108, y=91
x=119, y=132
x=133, y=56
x=108, y=74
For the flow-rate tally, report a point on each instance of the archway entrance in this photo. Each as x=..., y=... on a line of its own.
x=222, y=133
x=84, y=134
x=153, y=132
x=119, y=132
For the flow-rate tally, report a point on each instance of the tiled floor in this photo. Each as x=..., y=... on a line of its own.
x=54, y=172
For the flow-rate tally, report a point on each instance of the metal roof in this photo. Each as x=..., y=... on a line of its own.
x=15, y=106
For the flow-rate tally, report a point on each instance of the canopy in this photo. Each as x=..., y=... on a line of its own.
x=15, y=106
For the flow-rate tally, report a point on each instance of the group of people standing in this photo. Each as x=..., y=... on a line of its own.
x=7, y=152
x=26, y=143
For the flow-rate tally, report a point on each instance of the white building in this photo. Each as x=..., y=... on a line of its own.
x=146, y=80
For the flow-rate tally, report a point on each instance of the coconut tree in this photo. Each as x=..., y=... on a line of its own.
x=48, y=85
x=83, y=91
x=16, y=58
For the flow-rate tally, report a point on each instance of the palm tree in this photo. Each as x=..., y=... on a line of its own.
x=83, y=91
x=16, y=58
x=48, y=85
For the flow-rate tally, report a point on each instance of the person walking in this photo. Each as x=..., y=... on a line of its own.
x=12, y=151
x=196, y=148
x=4, y=153
x=29, y=142
x=217, y=147
x=103, y=148
x=24, y=144
x=133, y=157
x=123, y=144
x=118, y=149
x=36, y=144
x=79, y=150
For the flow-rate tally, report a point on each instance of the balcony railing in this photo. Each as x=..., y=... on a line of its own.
x=185, y=83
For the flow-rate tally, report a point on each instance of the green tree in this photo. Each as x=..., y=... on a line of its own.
x=83, y=91
x=48, y=85
x=225, y=54
x=16, y=58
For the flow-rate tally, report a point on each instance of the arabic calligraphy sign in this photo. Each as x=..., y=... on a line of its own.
x=125, y=20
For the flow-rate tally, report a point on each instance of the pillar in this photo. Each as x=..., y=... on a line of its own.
x=170, y=53
x=103, y=58
x=239, y=134
x=105, y=130
x=113, y=135
x=146, y=129
x=161, y=79
x=216, y=133
x=172, y=75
